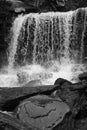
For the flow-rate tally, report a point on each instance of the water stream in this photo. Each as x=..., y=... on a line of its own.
x=46, y=46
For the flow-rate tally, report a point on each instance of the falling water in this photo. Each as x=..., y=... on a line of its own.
x=47, y=46
x=14, y=40
x=41, y=38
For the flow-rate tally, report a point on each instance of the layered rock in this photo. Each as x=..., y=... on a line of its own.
x=58, y=107
x=42, y=112
x=19, y=5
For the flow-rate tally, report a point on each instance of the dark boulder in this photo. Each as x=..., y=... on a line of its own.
x=83, y=76
x=61, y=81
x=75, y=95
x=66, y=93
x=72, y=94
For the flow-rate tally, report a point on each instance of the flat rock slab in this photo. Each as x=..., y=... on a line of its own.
x=7, y=94
x=42, y=111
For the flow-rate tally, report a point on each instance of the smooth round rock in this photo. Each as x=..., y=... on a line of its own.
x=42, y=112
x=61, y=81
x=34, y=83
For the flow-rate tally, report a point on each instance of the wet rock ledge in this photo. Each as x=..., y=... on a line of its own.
x=62, y=106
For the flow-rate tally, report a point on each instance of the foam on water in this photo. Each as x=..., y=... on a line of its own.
x=46, y=74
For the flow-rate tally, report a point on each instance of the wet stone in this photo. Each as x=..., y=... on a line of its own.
x=34, y=83
x=61, y=81
x=42, y=111
x=83, y=76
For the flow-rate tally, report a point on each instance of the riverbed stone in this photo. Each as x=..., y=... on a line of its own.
x=42, y=111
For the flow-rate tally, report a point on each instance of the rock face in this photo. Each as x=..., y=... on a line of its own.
x=65, y=92
x=62, y=106
x=71, y=93
x=37, y=5
x=42, y=112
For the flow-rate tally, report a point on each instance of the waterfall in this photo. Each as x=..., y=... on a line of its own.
x=39, y=38
x=47, y=46
x=15, y=30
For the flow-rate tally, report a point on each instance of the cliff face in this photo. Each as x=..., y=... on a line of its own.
x=42, y=5
x=11, y=8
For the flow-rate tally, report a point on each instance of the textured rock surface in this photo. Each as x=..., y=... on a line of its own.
x=83, y=76
x=9, y=122
x=42, y=4
x=35, y=5
x=67, y=123
x=34, y=108
x=42, y=112
x=73, y=95
x=61, y=81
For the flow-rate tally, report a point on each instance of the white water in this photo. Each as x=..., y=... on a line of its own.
x=47, y=47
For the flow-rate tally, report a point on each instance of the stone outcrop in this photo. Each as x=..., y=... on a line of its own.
x=31, y=104
x=34, y=5
x=9, y=122
x=42, y=111
x=37, y=5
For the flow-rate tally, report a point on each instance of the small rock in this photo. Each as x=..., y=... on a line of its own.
x=34, y=83
x=19, y=10
x=67, y=123
x=60, y=3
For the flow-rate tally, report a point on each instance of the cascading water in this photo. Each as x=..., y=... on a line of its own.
x=41, y=38
x=47, y=46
